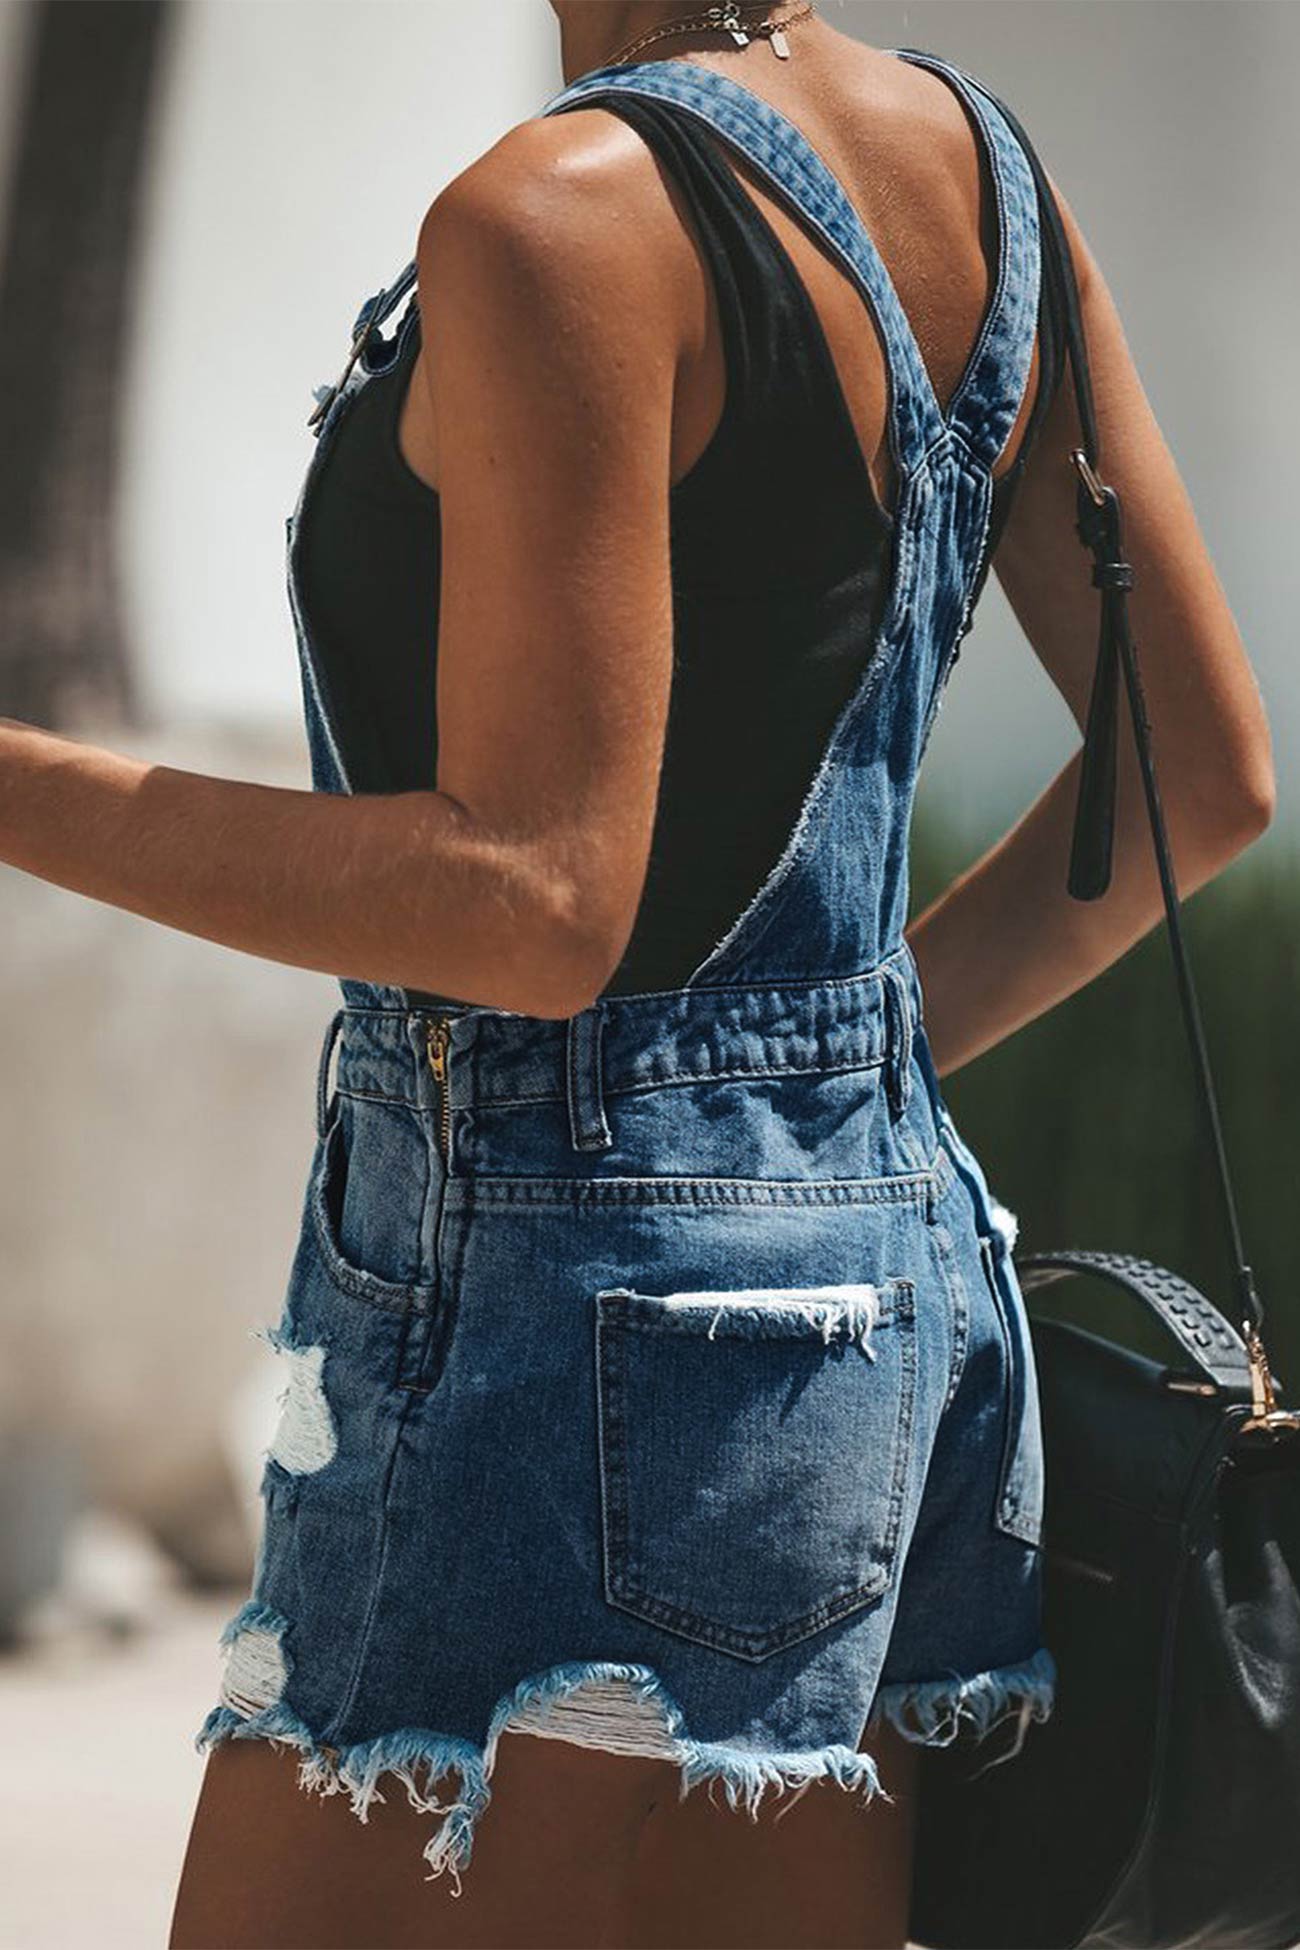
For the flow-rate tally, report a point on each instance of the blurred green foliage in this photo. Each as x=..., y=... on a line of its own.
x=1087, y=1121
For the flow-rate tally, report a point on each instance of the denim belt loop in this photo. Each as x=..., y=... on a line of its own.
x=588, y=1127
x=332, y=1029
x=898, y=1035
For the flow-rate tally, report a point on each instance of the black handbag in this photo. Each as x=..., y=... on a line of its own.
x=1159, y=1804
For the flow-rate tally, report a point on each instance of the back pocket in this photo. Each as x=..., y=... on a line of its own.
x=755, y=1447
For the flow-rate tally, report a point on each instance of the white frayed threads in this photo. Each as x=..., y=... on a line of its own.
x=748, y=1780
x=305, y=1438
x=1006, y=1222
x=839, y=1310
x=609, y=1714
x=623, y=1708
x=934, y=1712
x=256, y=1674
x=357, y=1773
x=1023, y=1715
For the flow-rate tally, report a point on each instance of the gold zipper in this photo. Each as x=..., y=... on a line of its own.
x=437, y=1037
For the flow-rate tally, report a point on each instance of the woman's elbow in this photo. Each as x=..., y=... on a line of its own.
x=1231, y=808
x=579, y=951
x=539, y=936
x=1259, y=801
x=1250, y=795
x=563, y=959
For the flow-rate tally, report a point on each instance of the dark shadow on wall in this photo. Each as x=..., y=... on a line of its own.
x=67, y=274
x=1087, y=1120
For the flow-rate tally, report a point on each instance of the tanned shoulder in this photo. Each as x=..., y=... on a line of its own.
x=564, y=212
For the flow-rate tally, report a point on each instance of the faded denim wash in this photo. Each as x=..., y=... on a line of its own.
x=659, y=1379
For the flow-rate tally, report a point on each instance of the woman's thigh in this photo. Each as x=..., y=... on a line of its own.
x=576, y=1848
x=272, y=1867
x=816, y=1869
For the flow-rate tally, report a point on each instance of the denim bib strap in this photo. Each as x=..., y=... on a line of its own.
x=984, y=408
x=783, y=155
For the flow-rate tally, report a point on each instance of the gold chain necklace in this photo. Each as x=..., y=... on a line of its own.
x=722, y=20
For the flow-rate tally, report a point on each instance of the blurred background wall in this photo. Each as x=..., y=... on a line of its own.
x=238, y=175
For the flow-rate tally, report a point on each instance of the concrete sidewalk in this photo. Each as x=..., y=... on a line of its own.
x=101, y=1778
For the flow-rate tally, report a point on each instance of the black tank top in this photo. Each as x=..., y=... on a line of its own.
x=780, y=564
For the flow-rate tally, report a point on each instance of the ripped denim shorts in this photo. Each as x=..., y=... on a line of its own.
x=583, y=1434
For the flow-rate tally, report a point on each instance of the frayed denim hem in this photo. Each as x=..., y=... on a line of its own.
x=747, y=1777
x=934, y=1712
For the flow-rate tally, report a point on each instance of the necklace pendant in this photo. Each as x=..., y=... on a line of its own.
x=739, y=36
x=780, y=45
x=731, y=23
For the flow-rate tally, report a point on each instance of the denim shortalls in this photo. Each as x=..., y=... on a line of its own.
x=659, y=1379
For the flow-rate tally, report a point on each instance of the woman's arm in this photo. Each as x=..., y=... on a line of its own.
x=1006, y=941
x=550, y=356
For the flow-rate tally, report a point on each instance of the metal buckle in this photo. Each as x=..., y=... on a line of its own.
x=360, y=333
x=1090, y=480
x=1265, y=1413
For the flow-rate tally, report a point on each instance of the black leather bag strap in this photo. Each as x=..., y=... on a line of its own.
x=1099, y=527
x=1210, y=1342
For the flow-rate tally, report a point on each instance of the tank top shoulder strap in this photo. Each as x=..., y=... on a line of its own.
x=783, y=400
x=726, y=224
x=984, y=408
x=784, y=158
